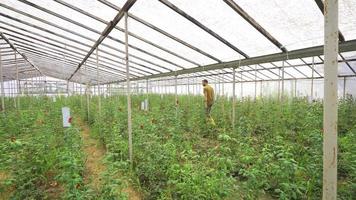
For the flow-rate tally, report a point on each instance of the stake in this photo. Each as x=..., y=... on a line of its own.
x=330, y=100
x=2, y=86
x=282, y=92
x=255, y=82
x=344, y=91
x=279, y=84
x=312, y=80
x=176, y=94
x=87, y=94
x=17, y=82
x=129, y=122
x=233, y=97
x=242, y=92
x=98, y=80
x=295, y=88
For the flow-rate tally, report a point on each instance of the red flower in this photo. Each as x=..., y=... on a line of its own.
x=70, y=120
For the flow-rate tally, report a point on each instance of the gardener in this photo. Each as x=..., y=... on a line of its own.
x=208, y=99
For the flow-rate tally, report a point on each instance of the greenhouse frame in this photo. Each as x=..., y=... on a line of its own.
x=246, y=49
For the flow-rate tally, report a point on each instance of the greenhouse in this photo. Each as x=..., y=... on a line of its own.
x=178, y=99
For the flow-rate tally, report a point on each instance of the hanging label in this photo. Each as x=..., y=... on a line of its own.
x=67, y=120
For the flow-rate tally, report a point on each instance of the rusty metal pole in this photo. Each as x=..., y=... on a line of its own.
x=330, y=100
x=233, y=97
x=128, y=89
x=312, y=81
x=2, y=86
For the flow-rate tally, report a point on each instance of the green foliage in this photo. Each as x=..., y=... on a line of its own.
x=275, y=149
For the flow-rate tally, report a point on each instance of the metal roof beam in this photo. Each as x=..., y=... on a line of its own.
x=122, y=30
x=312, y=68
x=35, y=51
x=341, y=36
x=68, y=45
x=80, y=35
x=106, y=32
x=77, y=57
x=15, y=49
x=321, y=8
x=295, y=54
x=348, y=65
x=202, y=26
x=113, y=6
x=255, y=24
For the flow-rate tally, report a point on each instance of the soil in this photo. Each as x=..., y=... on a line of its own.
x=94, y=165
x=5, y=192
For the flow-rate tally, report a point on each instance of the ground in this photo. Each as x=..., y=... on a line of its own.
x=94, y=165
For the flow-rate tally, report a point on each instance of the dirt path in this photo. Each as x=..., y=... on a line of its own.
x=95, y=153
x=7, y=191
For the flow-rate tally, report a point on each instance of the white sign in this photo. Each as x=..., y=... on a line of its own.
x=144, y=105
x=66, y=117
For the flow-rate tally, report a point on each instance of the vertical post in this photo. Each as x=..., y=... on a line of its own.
x=147, y=88
x=98, y=83
x=32, y=85
x=223, y=85
x=45, y=85
x=282, y=89
x=261, y=89
x=242, y=92
x=87, y=89
x=176, y=94
x=344, y=91
x=233, y=97
x=197, y=87
x=67, y=87
x=295, y=87
x=2, y=86
x=330, y=99
x=312, y=81
x=73, y=89
x=279, y=83
x=17, y=82
x=129, y=122
x=255, y=82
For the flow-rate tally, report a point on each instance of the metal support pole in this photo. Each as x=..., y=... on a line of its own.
x=233, y=97
x=17, y=82
x=282, y=92
x=261, y=89
x=2, y=86
x=32, y=86
x=330, y=100
x=242, y=92
x=344, y=91
x=312, y=81
x=295, y=88
x=129, y=122
x=87, y=89
x=147, y=90
x=279, y=84
x=67, y=87
x=98, y=83
x=176, y=94
x=255, y=82
x=223, y=80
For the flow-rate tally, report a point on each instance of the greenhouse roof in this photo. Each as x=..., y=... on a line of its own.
x=199, y=38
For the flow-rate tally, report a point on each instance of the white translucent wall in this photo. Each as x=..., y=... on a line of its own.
x=299, y=88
